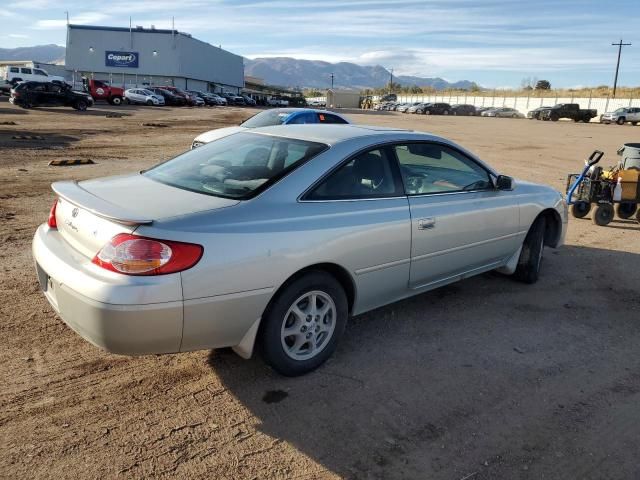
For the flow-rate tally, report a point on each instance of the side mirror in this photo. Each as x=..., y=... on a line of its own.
x=504, y=182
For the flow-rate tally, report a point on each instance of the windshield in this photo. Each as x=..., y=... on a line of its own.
x=238, y=166
x=267, y=118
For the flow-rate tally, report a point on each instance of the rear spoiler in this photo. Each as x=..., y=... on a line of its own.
x=73, y=193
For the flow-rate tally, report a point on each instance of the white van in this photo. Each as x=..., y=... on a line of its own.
x=14, y=74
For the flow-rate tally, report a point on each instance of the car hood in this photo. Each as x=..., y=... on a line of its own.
x=151, y=199
x=212, y=135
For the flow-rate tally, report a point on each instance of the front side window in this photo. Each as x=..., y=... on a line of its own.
x=26, y=70
x=39, y=72
x=434, y=168
x=238, y=166
x=368, y=175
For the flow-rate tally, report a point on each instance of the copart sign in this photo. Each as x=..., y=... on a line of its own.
x=121, y=59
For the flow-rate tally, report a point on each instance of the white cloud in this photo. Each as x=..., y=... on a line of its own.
x=85, y=18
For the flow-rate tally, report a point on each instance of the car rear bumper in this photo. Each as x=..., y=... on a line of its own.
x=119, y=313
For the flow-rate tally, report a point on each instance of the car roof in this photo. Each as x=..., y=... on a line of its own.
x=334, y=133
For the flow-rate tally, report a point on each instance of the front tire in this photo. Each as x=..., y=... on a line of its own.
x=116, y=101
x=303, y=324
x=150, y=103
x=602, y=214
x=580, y=209
x=530, y=261
x=80, y=105
x=621, y=120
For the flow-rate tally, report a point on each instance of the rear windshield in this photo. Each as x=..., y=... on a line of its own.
x=268, y=118
x=238, y=166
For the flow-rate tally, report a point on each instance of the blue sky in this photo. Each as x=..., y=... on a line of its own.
x=496, y=43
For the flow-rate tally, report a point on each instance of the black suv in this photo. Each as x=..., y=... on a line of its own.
x=34, y=94
x=463, y=109
x=169, y=97
x=437, y=109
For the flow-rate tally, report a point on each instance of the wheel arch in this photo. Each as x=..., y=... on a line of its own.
x=247, y=346
x=553, y=227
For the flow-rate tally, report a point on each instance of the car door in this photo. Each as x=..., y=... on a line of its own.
x=460, y=224
x=363, y=202
x=54, y=94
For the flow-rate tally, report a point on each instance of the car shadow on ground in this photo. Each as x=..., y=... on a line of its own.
x=16, y=138
x=469, y=379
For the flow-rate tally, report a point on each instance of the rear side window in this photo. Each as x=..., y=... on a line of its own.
x=303, y=118
x=38, y=87
x=330, y=118
x=238, y=166
x=14, y=70
x=368, y=175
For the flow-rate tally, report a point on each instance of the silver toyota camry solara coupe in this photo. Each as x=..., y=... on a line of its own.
x=271, y=239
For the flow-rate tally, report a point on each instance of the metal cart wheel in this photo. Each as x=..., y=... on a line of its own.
x=580, y=209
x=602, y=214
x=626, y=210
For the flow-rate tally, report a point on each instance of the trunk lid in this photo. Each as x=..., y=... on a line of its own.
x=92, y=212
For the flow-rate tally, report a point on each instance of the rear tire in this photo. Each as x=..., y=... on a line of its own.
x=580, y=209
x=530, y=261
x=602, y=214
x=80, y=105
x=297, y=343
x=626, y=210
x=634, y=123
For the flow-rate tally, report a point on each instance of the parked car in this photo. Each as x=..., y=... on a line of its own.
x=249, y=101
x=404, y=107
x=568, y=110
x=535, y=113
x=621, y=116
x=247, y=242
x=188, y=99
x=437, y=109
x=267, y=118
x=169, y=97
x=416, y=107
x=13, y=74
x=504, y=112
x=143, y=96
x=220, y=99
x=277, y=102
x=481, y=110
x=206, y=97
x=101, y=90
x=315, y=103
x=463, y=109
x=37, y=94
x=5, y=87
x=389, y=97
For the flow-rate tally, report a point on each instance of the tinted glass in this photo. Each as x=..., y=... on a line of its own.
x=238, y=166
x=330, y=118
x=433, y=168
x=267, y=118
x=307, y=117
x=26, y=70
x=369, y=175
x=39, y=72
x=14, y=70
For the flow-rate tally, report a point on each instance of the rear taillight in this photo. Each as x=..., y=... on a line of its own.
x=135, y=255
x=52, y=216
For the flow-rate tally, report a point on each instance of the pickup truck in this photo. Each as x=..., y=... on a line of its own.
x=100, y=90
x=568, y=110
x=277, y=102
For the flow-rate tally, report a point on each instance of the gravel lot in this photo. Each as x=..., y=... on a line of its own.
x=484, y=379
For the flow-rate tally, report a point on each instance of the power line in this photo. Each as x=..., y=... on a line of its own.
x=619, y=45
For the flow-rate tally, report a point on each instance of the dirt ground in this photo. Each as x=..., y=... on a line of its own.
x=484, y=379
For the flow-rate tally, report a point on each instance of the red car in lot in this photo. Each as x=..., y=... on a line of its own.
x=190, y=100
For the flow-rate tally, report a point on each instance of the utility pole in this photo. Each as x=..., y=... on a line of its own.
x=332, y=76
x=619, y=45
x=390, y=80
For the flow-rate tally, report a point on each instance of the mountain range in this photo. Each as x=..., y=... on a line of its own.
x=292, y=72
x=283, y=71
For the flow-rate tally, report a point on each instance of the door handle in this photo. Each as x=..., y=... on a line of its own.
x=426, y=223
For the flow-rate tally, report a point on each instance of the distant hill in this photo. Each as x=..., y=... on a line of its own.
x=292, y=72
x=40, y=53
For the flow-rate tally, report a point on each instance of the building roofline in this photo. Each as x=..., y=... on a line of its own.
x=125, y=29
